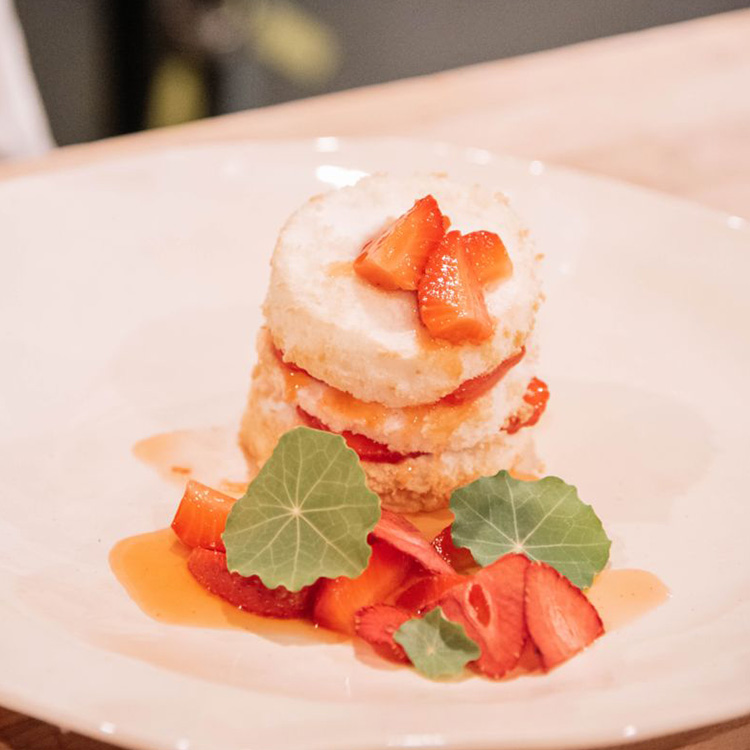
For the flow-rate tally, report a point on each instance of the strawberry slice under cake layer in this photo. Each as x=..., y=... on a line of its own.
x=400, y=314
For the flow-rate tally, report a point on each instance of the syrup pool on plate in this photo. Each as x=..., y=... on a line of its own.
x=152, y=567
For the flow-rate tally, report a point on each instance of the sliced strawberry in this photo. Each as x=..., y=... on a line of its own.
x=377, y=624
x=530, y=660
x=209, y=568
x=488, y=256
x=366, y=449
x=490, y=606
x=202, y=516
x=459, y=558
x=396, y=258
x=338, y=599
x=451, y=301
x=536, y=396
x=472, y=389
x=560, y=619
x=405, y=536
x=423, y=594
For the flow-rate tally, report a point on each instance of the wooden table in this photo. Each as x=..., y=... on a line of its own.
x=667, y=108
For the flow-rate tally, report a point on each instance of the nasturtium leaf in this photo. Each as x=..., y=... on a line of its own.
x=305, y=516
x=436, y=646
x=544, y=520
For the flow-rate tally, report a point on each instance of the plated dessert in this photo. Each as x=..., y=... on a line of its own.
x=397, y=372
x=400, y=314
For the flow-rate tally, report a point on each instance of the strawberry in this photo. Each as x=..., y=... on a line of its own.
x=396, y=258
x=490, y=607
x=535, y=398
x=488, y=256
x=406, y=537
x=459, y=558
x=209, y=568
x=423, y=594
x=338, y=599
x=472, y=389
x=451, y=301
x=560, y=619
x=366, y=449
x=377, y=624
x=202, y=516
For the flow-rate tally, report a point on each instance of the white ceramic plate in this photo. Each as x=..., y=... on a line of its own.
x=129, y=299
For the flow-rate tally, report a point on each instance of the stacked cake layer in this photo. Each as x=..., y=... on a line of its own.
x=338, y=353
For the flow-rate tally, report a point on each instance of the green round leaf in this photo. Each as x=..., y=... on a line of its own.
x=544, y=520
x=436, y=646
x=305, y=516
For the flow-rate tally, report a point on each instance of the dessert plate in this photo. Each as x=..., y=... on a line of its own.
x=129, y=300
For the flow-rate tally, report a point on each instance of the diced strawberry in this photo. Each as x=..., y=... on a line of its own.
x=536, y=396
x=396, y=258
x=423, y=594
x=472, y=389
x=488, y=256
x=377, y=624
x=209, y=568
x=338, y=599
x=366, y=449
x=459, y=558
x=202, y=516
x=405, y=536
x=490, y=607
x=560, y=619
x=451, y=301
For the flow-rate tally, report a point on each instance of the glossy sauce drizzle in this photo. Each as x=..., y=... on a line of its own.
x=153, y=570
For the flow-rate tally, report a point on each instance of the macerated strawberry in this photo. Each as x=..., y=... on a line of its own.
x=451, y=301
x=423, y=594
x=402, y=534
x=377, y=624
x=530, y=660
x=560, y=619
x=338, y=599
x=202, y=516
x=472, y=389
x=209, y=568
x=459, y=558
x=396, y=258
x=488, y=256
x=366, y=449
x=490, y=606
x=535, y=400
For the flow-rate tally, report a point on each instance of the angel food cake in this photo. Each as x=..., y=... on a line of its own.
x=400, y=314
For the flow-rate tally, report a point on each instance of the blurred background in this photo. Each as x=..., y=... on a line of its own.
x=107, y=67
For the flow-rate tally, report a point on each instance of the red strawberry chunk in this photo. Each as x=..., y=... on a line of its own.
x=202, y=516
x=422, y=595
x=396, y=258
x=405, y=536
x=488, y=256
x=560, y=619
x=459, y=558
x=451, y=300
x=209, y=568
x=377, y=624
x=490, y=606
x=535, y=400
x=338, y=599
